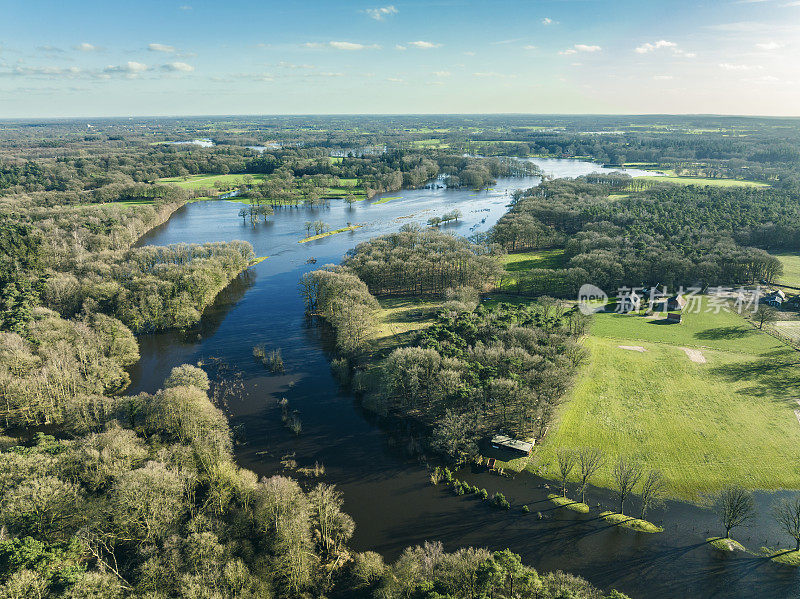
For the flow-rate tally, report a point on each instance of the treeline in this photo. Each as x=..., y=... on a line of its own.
x=344, y=302
x=672, y=235
x=85, y=264
x=150, y=288
x=421, y=262
x=475, y=372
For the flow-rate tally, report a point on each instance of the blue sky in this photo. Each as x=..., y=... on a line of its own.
x=164, y=57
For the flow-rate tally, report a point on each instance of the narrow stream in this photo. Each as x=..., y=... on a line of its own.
x=386, y=491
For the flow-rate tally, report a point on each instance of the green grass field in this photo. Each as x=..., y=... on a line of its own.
x=522, y=261
x=704, y=425
x=207, y=181
x=703, y=181
x=791, y=268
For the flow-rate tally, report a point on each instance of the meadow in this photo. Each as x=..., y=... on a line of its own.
x=727, y=419
x=702, y=181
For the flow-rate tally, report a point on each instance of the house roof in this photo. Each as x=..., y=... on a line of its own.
x=678, y=299
x=507, y=441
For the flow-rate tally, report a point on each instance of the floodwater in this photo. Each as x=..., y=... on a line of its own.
x=385, y=486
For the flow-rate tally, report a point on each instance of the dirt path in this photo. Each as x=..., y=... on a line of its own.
x=638, y=348
x=695, y=355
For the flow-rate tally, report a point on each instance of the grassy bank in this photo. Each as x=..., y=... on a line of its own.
x=723, y=544
x=624, y=521
x=329, y=233
x=570, y=504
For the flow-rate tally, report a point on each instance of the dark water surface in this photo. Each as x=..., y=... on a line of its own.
x=386, y=491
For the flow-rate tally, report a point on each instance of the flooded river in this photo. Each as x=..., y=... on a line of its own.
x=386, y=489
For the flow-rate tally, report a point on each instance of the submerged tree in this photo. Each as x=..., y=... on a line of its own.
x=653, y=488
x=787, y=514
x=626, y=475
x=566, y=459
x=735, y=507
x=590, y=460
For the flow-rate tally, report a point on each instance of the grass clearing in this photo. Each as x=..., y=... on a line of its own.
x=401, y=316
x=791, y=268
x=703, y=425
x=570, y=504
x=636, y=524
x=702, y=181
x=206, y=181
x=524, y=261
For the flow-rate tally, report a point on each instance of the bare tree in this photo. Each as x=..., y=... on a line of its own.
x=734, y=507
x=653, y=488
x=566, y=462
x=590, y=460
x=787, y=514
x=626, y=474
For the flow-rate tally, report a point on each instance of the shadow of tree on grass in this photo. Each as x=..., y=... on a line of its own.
x=739, y=332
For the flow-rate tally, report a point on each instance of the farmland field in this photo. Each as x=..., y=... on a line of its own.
x=704, y=425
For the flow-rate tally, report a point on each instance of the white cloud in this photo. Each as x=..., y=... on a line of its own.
x=379, y=14
x=86, y=47
x=493, y=74
x=442, y=73
x=672, y=47
x=424, y=45
x=289, y=65
x=529, y=47
x=547, y=21
x=663, y=77
x=648, y=47
x=394, y=79
x=400, y=47
x=469, y=53
x=739, y=67
x=50, y=49
x=580, y=48
x=131, y=68
x=339, y=45
x=161, y=48
x=49, y=72
x=768, y=46
x=178, y=67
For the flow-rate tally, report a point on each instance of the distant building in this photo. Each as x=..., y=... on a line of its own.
x=774, y=299
x=514, y=445
x=675, y=303
x=675, y=317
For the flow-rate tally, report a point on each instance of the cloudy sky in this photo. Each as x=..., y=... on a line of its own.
x=159, y=57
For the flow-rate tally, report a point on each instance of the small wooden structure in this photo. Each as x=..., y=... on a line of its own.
x=676, y=302
x=674, y=317
x=514, y=445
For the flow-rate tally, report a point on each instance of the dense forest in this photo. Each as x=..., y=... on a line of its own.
x=668, y=235
x=417, y=262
